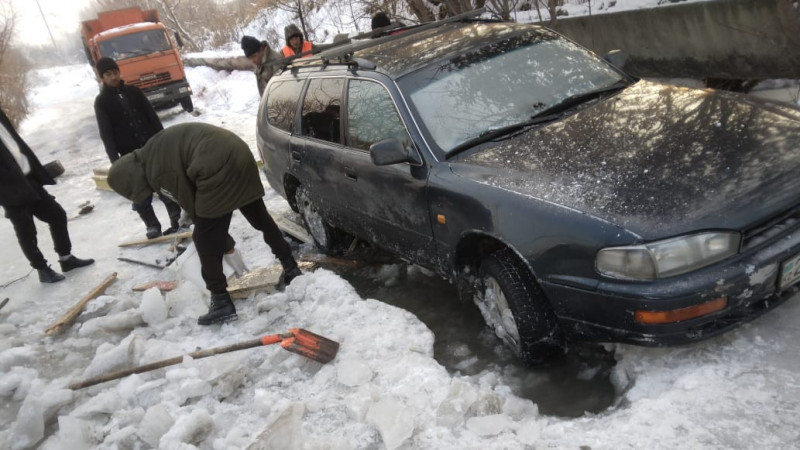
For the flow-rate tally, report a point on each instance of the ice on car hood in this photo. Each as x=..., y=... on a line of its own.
x=657, y=159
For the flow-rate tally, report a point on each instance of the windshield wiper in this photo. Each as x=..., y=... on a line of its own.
x=494, y=133
x=583, y=97
x=548, y=114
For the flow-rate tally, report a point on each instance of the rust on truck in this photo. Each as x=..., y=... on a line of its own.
x=146, y=54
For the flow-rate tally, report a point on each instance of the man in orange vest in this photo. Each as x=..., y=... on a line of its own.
x=295, y=44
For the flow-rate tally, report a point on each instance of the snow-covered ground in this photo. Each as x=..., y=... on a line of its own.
x=384, y=389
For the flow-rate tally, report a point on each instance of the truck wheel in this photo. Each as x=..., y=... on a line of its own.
x=514, y=306
x=186, y=104
x=327, y=238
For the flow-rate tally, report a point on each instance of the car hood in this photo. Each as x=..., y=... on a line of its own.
x=658, y=160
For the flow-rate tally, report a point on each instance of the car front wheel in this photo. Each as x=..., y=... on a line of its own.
x=515, y=308
x=326, y=237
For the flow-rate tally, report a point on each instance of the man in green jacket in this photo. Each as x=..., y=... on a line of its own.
x=209, y=172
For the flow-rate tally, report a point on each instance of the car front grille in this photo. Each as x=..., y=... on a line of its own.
x=769, y=230
x=152, y=79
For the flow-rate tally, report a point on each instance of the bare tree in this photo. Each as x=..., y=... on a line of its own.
x=300, y=9
x=13, y=68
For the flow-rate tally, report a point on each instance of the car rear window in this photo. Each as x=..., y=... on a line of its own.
x=282, y=103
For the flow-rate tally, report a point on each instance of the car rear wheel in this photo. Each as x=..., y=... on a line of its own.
x=515, y=308
x=327, y=238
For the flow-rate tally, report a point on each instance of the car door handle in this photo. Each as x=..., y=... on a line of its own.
x=296, y=155
x=350, y=173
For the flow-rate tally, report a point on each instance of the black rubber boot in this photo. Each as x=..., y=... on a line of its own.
x=150, y=221
x=174, y=211
x=48, y=275
x=290, y=270
x=221, y=310
x=74, y=263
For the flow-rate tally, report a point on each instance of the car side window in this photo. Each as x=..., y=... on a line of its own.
x=282, y=101
x=322, y=109
x=372, y=116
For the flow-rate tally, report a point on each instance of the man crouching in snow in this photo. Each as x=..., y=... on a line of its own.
x=209, y=172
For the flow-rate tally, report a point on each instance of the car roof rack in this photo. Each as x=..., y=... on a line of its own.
x=344, y=56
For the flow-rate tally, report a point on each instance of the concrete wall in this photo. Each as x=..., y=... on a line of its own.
x=721, y=38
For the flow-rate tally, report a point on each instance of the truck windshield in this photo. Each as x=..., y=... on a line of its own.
x=134, y=44
x=501, y=85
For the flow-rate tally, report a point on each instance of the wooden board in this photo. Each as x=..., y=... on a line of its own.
x=292, y=228
x=100, y=182
x=76, y=309
x=263, y=279
x=167, y=238
x=163, y=286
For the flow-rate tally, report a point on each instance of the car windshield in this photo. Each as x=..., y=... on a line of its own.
x=134, y=44
x=503, y=84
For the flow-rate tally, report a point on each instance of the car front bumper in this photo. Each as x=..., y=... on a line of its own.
x=605, y=311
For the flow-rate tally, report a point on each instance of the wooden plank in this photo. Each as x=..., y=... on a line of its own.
x=263, y=279
x=166, y=238
x=292, y=228
x=75, y=311
x=100, y=182
x=325, y=259
x=163, y=286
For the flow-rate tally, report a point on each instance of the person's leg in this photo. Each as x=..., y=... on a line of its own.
x=145, y=211
x=49, y=211
x=257, y=215
x=211, y=240
x=174, y=211
x=22, y=220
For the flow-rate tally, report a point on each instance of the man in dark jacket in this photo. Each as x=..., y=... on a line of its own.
x=126, y=121
x=295, y=43
x=23, y=197
x=210, y=172
x=261, y=55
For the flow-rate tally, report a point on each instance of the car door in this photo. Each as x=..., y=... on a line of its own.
x=317, y=148
x=386, y=204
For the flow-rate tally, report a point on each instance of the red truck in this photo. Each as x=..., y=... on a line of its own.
x=144, y=51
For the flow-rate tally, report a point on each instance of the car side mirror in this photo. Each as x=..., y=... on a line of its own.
x=616, y=58
x=391, y=151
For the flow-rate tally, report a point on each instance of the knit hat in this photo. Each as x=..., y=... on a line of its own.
x=105, y=64
x=380, y=20
x=250, y=45
x=290, y=31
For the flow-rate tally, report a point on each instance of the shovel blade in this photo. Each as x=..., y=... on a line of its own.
x=310, y=345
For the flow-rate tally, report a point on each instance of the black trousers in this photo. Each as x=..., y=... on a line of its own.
x=212, y=241
x=48, y=211
x=148, y=215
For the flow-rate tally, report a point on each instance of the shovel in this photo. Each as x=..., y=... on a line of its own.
x=297, y=340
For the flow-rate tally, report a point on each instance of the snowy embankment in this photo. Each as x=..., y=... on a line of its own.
x=384, y=389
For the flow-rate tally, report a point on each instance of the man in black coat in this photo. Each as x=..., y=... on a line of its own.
x=23, y=197
x=126, y=121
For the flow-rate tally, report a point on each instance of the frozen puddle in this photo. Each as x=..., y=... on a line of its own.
x=578, y=384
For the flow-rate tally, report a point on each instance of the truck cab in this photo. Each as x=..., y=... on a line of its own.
x=146, y=55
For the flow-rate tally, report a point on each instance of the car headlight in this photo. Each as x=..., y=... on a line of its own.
x=667, y=258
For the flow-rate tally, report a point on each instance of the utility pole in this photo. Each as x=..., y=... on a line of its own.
x=47, y=26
